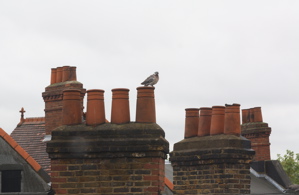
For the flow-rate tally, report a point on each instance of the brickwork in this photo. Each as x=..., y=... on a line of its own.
x=108, y=176
x=205, y=165
x=212, y=179
x=108, y=159
x=257, y=131
x=53, y=96
x=213, y=163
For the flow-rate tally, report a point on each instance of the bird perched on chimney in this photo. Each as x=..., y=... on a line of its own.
x=151, y=80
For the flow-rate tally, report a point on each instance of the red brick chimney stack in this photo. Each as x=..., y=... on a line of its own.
x=145, y=108
x=217, y=120
x=99, y=157
x=95, y=114
x=53, y=95
x=257, y=131
x=191, y=122
x=217, y=160
x=204, y=122
x=120, y=112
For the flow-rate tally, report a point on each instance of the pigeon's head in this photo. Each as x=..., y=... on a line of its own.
x=156, y=73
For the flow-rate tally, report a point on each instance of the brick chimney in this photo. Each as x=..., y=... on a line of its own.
x=120, y=157
x=258, y=132
x=62, y=78
x=217, y=160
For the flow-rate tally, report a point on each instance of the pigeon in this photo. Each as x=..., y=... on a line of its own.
x=151, y=80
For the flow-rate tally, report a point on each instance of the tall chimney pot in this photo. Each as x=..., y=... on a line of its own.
x=204, y=123
x=71, y=107
x=120, y=112
x=145, y=108
x=217, y=120
x=95, y=114
x=232, y=120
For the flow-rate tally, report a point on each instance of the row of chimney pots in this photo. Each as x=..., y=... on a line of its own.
x=72, y=111
x=216, y=120
x=62, y=74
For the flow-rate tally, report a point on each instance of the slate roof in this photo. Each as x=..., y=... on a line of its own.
x=29, y=134
x=27, y=157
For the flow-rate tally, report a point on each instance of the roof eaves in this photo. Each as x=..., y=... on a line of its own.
x=269, y=179
x=20, y=150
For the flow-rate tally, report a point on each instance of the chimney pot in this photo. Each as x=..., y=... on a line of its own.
x=73, y=74
x=204, y=123
x=232, y=120
x=65, y=73
x=245, y=116
x=120, y=112
x=191, y=122
x=71, y=107
x=217, y=120
x=53, y=75
x=257, y=116
x=145, y=108
x=95, y=114
x=59, y=75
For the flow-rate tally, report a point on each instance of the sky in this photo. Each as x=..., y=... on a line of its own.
x=207, y=52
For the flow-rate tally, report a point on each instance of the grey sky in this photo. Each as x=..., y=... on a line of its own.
x=207, y=52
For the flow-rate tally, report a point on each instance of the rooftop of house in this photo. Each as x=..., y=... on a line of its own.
x=29, y=134
x=28, y=139
x=23, y=154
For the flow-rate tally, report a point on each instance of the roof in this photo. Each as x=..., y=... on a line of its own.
x=29, y=134
x=23, y=154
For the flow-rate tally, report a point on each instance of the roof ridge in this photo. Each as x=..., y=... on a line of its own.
x=34, y=119
x=31, y=120
x=29, y=159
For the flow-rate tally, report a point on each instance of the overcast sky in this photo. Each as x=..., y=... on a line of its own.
x=207, y=53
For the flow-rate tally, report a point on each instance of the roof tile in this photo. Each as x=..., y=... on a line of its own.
x=30, y=135
x=22, y=152
x=11, y=141
x=2, y=132
x=33, y=163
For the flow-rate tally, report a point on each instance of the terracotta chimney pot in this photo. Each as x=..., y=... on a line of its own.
x=191, y=122
x=71, y=107
x=145, y=108
x=257, y=117
x=245, y=116
x=73, y=74
x=217, y=120
x=232, y=120
x=59, y=75
x=65, y=73
x=120, y=112
x=95, y=114
x=53, y=75
x=204, y=122
x=251, y=115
